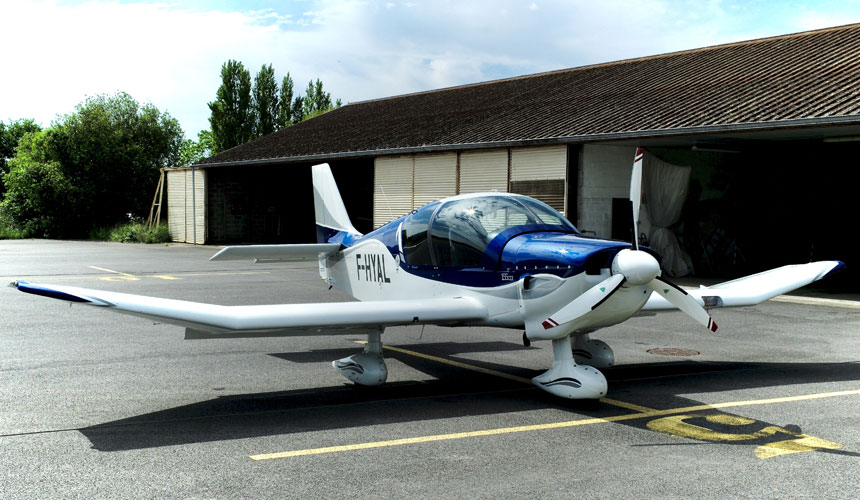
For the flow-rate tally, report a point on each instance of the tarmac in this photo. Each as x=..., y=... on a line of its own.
x=100, y=405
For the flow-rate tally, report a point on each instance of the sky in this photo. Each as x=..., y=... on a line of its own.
x=169, y=53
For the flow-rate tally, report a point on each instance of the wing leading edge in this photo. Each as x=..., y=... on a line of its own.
x=211, y=320
x=277, y=253
x=754, y=289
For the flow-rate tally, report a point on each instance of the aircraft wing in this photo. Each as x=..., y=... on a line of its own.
x=216, y=321
x=753, y=289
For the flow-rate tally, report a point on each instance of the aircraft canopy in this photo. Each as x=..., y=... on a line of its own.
x=457, y=232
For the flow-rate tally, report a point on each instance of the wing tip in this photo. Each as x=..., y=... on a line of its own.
x=53, y=293
x=837, y=267
x=217, y=256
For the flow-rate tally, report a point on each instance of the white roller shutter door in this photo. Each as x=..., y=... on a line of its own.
x=543, y=162
x=392, y=190
x=482, y=171
x=186, y=205
x=197, y=216
x=435, y=178
x=540, y=172
x=176, y=204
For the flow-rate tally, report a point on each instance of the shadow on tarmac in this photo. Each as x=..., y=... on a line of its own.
x=453, y=392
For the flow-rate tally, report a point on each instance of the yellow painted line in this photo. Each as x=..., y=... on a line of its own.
x=488, y=371
x=430, y=439
x=799, y=445
x=112, y=271
x=625, y=404
x=165, y=277
x=786, y=399
x=677, y=425
x=561, y=425
x=458, y=364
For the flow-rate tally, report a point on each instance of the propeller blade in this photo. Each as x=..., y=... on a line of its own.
x=683, y=301
x=636, y=193
x=586, y=302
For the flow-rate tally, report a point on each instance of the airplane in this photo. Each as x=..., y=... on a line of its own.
x=485, y=259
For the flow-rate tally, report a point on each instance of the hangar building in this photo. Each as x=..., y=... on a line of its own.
x=752, y=151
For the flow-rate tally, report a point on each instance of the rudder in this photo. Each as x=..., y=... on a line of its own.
x=329, y=210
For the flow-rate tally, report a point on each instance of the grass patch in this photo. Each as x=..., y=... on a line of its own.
x=132, y=233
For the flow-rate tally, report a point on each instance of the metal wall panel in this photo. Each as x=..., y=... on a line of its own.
x=435, y=178
x=536, y=163
x=484, y=171
x=392, y=190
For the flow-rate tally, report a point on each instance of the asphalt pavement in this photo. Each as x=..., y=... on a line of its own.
x=100, y=405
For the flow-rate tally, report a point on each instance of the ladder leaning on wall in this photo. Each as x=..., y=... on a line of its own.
x=156, y=202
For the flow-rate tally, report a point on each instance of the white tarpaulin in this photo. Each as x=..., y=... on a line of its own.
x=665, y=187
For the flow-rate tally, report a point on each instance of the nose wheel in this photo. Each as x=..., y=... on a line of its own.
x=567, y=379
x=592, y=352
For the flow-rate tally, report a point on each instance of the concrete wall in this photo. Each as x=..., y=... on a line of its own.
x=604, y=174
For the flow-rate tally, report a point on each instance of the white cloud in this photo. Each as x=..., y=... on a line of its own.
x=170, y=55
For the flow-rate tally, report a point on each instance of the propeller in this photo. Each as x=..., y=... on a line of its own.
x=635, y=267
x=586, y=302
x=636, y=193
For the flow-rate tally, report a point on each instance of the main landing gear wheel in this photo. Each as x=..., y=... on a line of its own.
x=367, y=367
x=567, y=379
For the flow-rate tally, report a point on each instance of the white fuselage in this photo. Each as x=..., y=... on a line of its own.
x=368, y=272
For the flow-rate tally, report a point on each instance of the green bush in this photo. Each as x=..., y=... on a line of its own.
x=8, y=229
x=132, y=233
x=10, y=233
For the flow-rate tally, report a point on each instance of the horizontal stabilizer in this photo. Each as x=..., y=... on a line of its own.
x=277, y=253
x=271, y=320
x=754, y=289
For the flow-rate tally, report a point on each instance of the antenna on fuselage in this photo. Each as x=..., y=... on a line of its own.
x=385, y=198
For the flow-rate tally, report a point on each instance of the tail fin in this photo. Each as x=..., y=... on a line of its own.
x=330, y=212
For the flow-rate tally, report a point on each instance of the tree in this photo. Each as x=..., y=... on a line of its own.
x=317, y=101
x=285, y=101
x=232, y=117
x=10, y=136
x=240, y=113
x=297, y=113
x=193, y=151
x=39, y=197
x=93, y=168
x=265, y=99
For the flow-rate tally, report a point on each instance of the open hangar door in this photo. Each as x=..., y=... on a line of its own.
x=757, y=205
x=274, y=203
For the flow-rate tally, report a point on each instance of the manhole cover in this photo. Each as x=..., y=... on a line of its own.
x=673, y=351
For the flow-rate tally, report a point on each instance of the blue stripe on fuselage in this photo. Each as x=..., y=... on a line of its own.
x=515, y=253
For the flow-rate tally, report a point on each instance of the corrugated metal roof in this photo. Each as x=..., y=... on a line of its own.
x=803, y=78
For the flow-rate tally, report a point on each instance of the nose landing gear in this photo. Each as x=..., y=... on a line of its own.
x=567, y=379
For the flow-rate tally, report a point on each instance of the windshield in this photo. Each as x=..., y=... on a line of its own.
x=461, y=229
